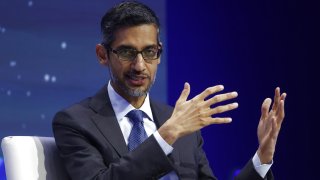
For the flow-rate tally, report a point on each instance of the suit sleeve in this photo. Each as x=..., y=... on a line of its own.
x=249, y=173
x=205, y=171
x=84, y=161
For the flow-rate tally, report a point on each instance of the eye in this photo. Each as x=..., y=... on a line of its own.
x=150, y=52
x=126, y=52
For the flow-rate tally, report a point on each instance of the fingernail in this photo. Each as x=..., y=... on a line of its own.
x=234, y=94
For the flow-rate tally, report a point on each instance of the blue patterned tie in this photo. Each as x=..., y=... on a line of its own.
x=138, y=134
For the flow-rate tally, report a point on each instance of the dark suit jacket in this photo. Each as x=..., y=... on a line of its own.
x=92, y=146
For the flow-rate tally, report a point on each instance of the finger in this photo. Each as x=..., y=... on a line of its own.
x=219, y=120
x=221, y=109
x=276, y=99
x=265, y=108
x=209, y=91
x=185, y=93
x=268, y=125
x=275, y=129
x=220, y=98
x=280, y=113
x=283, y=96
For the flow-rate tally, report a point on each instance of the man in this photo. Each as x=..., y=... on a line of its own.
x=100, y=138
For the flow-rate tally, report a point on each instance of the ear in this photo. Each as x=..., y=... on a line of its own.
x=160, y=44
x=102, y=55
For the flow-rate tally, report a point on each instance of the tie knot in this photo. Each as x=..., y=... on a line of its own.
x=135, y=116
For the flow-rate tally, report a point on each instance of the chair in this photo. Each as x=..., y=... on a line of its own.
x=32, y=158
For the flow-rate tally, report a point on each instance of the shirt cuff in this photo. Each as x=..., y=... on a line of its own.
x=167, y=149
x=262, y=169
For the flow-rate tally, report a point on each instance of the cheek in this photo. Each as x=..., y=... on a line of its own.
x=153, y=72
x=117, y=69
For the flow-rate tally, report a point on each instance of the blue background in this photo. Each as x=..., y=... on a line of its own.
x=47, y=62
x=251, y=46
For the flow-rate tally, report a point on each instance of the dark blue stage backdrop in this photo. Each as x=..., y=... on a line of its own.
x=47, y=62
x=250, y=46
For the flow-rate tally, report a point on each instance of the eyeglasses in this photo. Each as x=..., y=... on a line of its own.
x=130, y=54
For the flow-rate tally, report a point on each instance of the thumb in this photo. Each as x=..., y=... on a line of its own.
x=185, y=93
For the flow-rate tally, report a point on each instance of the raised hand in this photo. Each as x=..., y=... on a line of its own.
x=191, y=115
x=269, y=126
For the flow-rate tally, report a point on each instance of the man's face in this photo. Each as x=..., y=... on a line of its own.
x=133, y=78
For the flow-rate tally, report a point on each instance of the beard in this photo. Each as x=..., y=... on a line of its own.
x=134, y=92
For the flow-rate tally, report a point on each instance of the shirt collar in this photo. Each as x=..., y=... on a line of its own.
x=122, y=107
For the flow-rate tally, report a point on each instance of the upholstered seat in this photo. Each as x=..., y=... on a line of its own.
x=32, y=158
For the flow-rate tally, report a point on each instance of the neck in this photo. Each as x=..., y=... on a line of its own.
x=136, y=101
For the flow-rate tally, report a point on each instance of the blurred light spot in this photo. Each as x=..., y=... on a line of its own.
x=46, y=77
x=8, y=92
x=30, y=3
x=18, y=76
x=63, y=45
x=13, y=63
x=236, y=172
x=53, y=79
x=2, y=30
x=28, y=93
x=23, y=126
x=43, y=116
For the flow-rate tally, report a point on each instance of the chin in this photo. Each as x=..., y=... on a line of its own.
x=136, y=93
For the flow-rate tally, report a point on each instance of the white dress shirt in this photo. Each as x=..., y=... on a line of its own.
x=122, y=107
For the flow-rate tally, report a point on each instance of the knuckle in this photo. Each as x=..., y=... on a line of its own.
x=222, y=108
x=209, y=90
x=204, y=114
x=217, y=98
x=213, y=111
x=202, y=122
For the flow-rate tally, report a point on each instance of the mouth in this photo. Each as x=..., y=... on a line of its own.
x=137, y=80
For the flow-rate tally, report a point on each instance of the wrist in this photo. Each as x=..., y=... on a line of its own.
x=265, y=157
x=169, y=133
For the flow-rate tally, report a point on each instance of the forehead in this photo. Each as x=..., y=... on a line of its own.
x=136, y=36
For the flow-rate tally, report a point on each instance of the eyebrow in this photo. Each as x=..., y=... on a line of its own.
x=131, y=47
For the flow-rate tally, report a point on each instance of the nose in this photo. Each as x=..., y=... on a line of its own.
x=139, y=63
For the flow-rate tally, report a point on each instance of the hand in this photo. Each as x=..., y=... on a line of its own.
x=269, y=126
x=196, y=113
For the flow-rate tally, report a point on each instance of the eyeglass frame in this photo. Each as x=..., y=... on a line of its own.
x=137, y=52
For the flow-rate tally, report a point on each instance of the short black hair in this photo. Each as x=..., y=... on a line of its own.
x=126, y=14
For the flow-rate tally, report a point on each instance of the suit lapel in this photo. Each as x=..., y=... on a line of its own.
x=106, y=122
x=161, y=113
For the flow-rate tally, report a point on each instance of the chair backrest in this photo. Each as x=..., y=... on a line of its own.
x=32, y=158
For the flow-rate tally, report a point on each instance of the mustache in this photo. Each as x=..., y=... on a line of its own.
x=138, y=74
